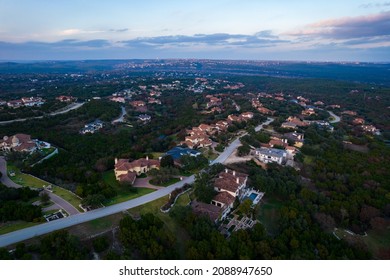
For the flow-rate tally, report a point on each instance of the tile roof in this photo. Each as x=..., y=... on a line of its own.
x=228, y=181
x=124, y=164
x=209, y=210
x=225, y=198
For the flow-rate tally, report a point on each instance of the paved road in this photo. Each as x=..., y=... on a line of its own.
x=63, y=111
x=6, y=181
x=62, y=203
x=121, y=117
x=336, y=118
x=27, y=233
x=236, y=143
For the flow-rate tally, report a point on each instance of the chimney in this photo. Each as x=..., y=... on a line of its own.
x=238, y=180
x=116, y=160
x=226, y=170
x=234, y=173
x=147, y=157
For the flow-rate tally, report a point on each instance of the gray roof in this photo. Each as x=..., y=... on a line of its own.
x=272, y=152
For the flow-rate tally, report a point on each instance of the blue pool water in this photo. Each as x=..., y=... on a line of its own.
x=253, y=196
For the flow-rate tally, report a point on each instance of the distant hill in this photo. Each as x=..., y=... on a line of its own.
x=373, y=73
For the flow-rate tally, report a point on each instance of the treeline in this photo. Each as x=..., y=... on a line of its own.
x=14, y=204
x=349, y=186
x=59, y=245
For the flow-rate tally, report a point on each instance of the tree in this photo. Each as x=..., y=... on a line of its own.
x=243, y=150
x=100, y=244
x=94, y=201
x=245, y=207
x=167, y=161
x=44, y=198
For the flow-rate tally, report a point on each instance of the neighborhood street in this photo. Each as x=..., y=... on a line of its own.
x=62, y=111
x=6, y=181
x=27, y=233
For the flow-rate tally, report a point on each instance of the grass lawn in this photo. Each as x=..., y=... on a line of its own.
x=157, y=155
x=374, y=240
x=183, y=199
x=124, y=192
x=48, y=151
x=377, y=240
x=68, y=196
x=268, y=214
x=30, y=181
x=16, y=225
x=25, y=179
x=130, y=194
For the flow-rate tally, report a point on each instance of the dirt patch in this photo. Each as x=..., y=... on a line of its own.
x=234, y=158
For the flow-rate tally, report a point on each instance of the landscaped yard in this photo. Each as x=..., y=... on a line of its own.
x=269, y=213
x=184, y=199
x=25, y=179
x=124, y=192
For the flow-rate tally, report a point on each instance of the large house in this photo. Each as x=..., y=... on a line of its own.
x=126, y=172
x=198, y=137
x=32, y=101
x=298, y=138
x=18, y=143
x=92, y=127
x=230, y=185
x=64, y=98
x=268, y=155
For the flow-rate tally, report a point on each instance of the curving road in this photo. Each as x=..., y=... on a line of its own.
x=62, y=111
x=121, y=117
x=335, y=117
x=27, y=233
x=6, y=181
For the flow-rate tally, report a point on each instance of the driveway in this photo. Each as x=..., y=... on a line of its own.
x=144, y=183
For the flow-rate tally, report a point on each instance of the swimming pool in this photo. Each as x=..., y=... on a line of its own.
x=253, y=196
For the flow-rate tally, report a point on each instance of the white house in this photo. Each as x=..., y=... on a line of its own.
x=269, y=155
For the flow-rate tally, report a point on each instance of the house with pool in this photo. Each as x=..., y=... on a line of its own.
x=230, y=186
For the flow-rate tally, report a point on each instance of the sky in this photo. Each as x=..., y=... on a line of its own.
x=332, y=30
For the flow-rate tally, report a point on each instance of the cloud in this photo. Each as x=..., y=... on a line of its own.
x=261, y=45
x=260, y=39
x=374, y=5
x=119, y=30
x=376, y=25
x=72, y=32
